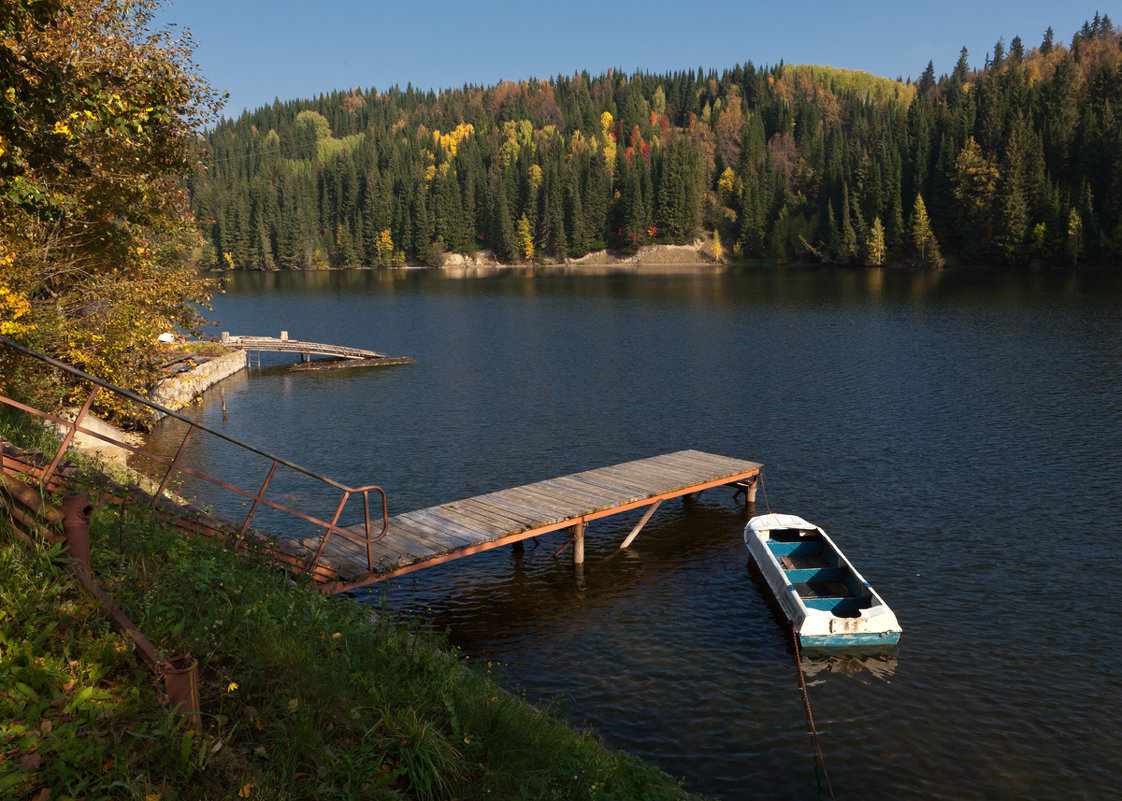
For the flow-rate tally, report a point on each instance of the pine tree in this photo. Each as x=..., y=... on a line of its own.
x=1074, y=235
x=849, y=239
x=1012, y=214
x=926, y=83
x=922, y=237
x=875, y=252
x=1046, y=45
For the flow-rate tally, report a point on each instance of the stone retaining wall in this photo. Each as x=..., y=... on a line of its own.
x=179, y=390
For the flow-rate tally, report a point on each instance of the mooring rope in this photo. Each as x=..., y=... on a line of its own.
x=809, y=714
x=763, y=489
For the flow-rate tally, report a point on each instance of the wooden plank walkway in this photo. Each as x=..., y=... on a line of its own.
x=284, y=344
x=438, y=534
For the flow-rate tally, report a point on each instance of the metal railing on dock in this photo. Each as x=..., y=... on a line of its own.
x=175, y=467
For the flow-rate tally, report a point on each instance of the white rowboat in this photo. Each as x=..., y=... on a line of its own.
x=828, y=603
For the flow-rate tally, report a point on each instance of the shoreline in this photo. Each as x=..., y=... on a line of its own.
x=649, y=258
x=653, y=260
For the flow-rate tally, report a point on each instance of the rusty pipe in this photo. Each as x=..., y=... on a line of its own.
x=76, y=514
x=181, y=680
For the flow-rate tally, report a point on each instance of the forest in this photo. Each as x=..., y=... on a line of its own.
x=1017, y=163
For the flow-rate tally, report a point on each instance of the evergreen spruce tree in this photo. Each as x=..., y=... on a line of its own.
x=923, y=239
x=875, y=252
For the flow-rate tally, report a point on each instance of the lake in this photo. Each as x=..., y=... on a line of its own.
x=958, y=433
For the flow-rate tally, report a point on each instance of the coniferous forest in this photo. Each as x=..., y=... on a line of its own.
x=1018, y=163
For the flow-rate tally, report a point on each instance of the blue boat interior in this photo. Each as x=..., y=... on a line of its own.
x=820, y=578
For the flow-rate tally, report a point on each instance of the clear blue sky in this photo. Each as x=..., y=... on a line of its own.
x=261, y=49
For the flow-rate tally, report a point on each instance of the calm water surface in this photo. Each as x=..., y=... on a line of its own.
x=959, y=434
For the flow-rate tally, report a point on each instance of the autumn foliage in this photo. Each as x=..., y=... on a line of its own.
x=97, y=132
x=1018, y=160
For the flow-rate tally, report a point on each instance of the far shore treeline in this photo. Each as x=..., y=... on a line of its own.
x=1018, y=163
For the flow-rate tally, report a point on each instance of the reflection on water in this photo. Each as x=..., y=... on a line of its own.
x=938, y=425
x=878, y=665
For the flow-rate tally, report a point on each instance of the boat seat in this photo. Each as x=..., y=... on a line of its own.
x=824, y=589
x=793, y=535
x=803, y=562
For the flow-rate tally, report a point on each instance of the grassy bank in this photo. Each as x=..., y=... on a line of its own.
x=302, y=696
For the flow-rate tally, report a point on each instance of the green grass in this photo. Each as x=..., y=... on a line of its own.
x=303, y=696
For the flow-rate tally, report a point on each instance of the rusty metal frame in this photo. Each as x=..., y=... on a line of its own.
x=174, y=466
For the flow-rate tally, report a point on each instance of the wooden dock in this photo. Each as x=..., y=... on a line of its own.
x=438, y=534
x=305, y=349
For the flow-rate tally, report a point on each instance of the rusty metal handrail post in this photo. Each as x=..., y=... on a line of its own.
x=66, y=440
x=366, y=528
x=174, y=462
x=332, y=526
x=257, y=499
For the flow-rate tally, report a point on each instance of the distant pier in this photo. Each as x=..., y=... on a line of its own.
x=284, y=344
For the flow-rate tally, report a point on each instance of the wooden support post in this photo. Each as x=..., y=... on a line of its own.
x=639, y=526
x=750, y=490
x=578, y=543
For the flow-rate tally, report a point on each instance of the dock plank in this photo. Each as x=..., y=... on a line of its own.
x=615, y=483
x=494, y=509
x=438, y=524
x=489, y=530
x=701, y=464
x=514, y=510
x=564, y=498
x=603, y=501
x=666, y=474
x=549, y=508
x=466, y=510
x=638, y=480
x=436, y=541
x=609, y=497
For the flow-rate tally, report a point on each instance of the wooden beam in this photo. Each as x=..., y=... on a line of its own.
x=639, y=526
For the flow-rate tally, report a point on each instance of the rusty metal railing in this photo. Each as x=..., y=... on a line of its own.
x=174, y=466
